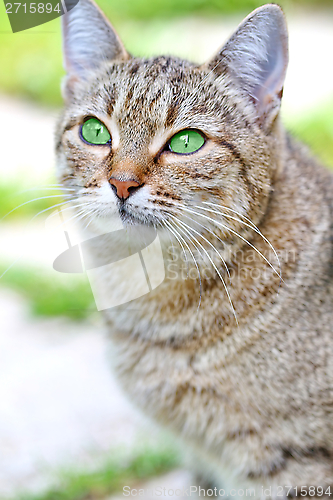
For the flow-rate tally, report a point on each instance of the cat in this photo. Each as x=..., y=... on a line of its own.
x=236, y=357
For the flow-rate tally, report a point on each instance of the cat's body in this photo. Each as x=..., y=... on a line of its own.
x=256, y=401
x=246, y=378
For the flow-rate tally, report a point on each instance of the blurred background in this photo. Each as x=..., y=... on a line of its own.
x=66, y=431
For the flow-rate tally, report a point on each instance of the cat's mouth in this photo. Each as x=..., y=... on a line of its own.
x=129, y=218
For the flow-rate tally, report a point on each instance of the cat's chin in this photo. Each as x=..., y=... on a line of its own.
x=130, y=219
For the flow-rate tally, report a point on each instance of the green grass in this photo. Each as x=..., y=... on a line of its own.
x=61, y=294
x=64, y=295
x=31, y=60
x=110, y=478
x=316, y=130
x=13, y=194
x=160, y=9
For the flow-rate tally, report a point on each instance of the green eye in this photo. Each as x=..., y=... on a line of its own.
x=94, y=132
x=186, y=141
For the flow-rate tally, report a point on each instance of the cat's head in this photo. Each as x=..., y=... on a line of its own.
x=167, y=142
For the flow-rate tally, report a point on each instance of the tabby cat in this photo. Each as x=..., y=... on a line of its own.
x=234, y=355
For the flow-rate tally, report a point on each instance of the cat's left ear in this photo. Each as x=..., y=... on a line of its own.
x=256, y=58
x=88, y=40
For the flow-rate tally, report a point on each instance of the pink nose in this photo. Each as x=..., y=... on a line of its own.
x=122, y=187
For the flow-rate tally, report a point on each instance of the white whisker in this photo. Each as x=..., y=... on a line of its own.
x=236, y=234
x=46, y=188
x=209, y=243
x=72, y=207
x=37, y=199
x=179, y=238
x=250, y=224
x=211, y=261
x=89, y=215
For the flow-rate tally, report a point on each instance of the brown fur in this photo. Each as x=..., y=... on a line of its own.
x=250, y=392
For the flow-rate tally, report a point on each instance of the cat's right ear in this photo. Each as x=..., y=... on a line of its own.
x=88, y=40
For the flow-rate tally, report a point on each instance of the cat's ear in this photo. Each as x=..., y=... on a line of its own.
x=88, y=40
x=256, y=58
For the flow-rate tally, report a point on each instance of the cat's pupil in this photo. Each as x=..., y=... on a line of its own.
x=185, y=139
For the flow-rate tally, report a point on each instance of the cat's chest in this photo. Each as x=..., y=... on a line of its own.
x=231, y=396
x=211, y=406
